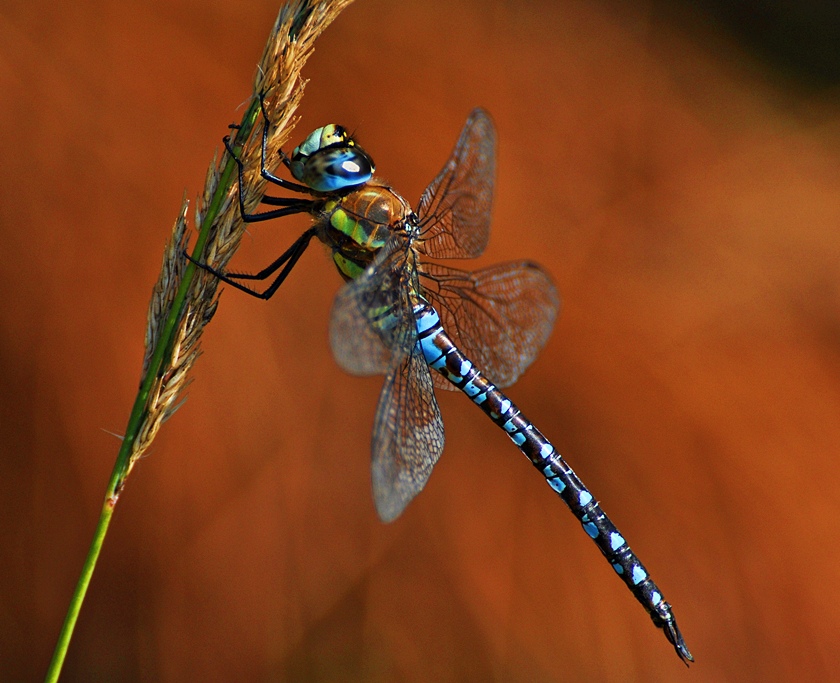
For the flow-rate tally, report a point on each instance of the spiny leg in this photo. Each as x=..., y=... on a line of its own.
x=291, y=205
x=264, y=172
x=286, y=261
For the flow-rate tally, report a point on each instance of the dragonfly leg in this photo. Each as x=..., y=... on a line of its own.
x=286, y=261
x=264, y=172
x=291, y=205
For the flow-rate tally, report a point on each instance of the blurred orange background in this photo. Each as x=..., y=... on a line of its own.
x=683, y=191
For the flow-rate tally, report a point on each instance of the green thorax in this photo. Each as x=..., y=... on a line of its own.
x=359, y=224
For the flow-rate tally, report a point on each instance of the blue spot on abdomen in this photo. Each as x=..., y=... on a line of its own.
x=557, y=484
x=639, y=575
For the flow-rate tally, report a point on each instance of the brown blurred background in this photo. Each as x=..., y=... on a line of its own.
x=674, y=166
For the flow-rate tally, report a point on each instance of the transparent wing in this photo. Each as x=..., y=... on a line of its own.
x=407, y=435
x=369, y=315
x=500, y=317
x=356, y=345
x=454, y=210
x=372, y=329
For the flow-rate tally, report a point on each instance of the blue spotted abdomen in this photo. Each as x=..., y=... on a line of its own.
x=444, y=357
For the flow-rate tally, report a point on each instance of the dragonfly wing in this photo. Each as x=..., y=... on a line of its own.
x=370, y=315
x=356, y=345
x=454, y=210
x=407, y=435
x=500, y=317
x=372, y=329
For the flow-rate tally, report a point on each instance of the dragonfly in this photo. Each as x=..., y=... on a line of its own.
x=425, y=325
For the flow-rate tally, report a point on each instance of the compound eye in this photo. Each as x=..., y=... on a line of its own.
x=332, y=170
x=329, y=160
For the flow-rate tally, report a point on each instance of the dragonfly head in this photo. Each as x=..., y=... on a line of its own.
x=329, y=160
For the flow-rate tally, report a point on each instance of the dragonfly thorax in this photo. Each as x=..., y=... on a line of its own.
x=359, y=224
x=329, y=160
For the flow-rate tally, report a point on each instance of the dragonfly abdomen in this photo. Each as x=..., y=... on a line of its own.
x=443, y=356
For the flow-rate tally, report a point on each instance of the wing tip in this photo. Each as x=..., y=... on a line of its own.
x=388, y=507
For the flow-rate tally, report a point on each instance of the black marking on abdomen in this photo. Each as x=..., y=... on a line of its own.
x=443, y=356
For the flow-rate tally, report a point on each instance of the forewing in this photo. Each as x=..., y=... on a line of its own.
x=454, y=210
x=500, y=317
x=407, y=435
